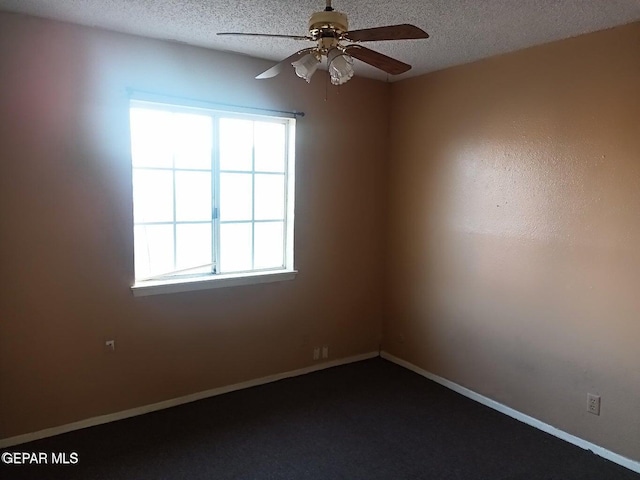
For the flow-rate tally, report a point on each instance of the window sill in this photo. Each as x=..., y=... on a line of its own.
x=160, y=287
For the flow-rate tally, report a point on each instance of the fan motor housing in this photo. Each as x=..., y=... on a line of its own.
x=329, y=20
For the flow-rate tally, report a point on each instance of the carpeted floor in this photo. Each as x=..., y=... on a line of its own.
x=368, y=420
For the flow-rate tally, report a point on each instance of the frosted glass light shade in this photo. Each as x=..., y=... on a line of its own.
x=306, y=66
x=340, y=66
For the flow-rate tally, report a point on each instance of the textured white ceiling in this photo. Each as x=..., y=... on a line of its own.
x=461, y=30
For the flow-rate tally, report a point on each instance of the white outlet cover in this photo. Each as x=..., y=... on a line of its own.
x=593, y=404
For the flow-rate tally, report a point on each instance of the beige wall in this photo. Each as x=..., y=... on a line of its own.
x=514, y=264
x=66, y=250
x=512, y=193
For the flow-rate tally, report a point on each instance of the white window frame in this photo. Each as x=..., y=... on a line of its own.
x=174, y=284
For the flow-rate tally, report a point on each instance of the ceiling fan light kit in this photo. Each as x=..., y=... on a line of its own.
x=340, y=66
x=330, y=30
x=306, y=66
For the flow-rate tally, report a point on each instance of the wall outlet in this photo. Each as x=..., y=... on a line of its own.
x=325, y=351
x=593, y=403
x=110, y=346
x=316, y=353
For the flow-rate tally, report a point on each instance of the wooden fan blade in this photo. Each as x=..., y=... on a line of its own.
x=391, y=32
x=272, y=35
x=278, y=67
x=378, y=60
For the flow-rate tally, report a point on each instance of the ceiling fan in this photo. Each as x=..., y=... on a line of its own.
x=330, y=30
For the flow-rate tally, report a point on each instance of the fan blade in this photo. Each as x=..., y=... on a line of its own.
x=378, y=60
x=293, y=37
x=391, y=32
x=277, y=68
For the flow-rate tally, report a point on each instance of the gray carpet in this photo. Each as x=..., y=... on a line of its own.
x=368, y=420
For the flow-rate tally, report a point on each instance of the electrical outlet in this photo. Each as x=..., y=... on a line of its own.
x=110, y=346
x=316, y=353
x=593, y=403
x=325, y=352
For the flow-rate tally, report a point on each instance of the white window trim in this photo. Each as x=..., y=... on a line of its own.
x=158, y=287
x=206, y=282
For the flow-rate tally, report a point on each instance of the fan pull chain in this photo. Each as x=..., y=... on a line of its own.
x=326, y=88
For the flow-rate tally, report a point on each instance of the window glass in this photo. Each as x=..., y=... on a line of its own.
x=152, y=196
x=193, y=247
x=151, y=138
x=236, y=144
x=153, y=250
x=270, y=146
x=269, y=197
x=193, y=196
x=193, y=141
x=269, y=246
x=235, y=247
x=236, y=196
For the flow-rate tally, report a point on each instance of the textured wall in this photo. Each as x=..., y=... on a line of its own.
x=66, y=250
x=515, y=231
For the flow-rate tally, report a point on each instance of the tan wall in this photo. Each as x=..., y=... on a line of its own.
x=66, y=251
x=515, y=231
x=513, y=254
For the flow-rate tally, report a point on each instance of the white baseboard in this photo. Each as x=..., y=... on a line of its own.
x=91, y=422
x=602, y=452
x=112, y=417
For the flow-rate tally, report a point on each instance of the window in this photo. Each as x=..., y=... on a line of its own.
x=212, y=197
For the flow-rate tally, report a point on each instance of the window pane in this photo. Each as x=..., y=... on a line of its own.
x=269, y=247
x=235, y=247
x=151, y=138
x=193, y=196
x=152, y=196
x=193, y=247
x=193, y=138
x=236, y=144
x=236, y=197
x=269, y=146
x=269, y=197
x=153, y=250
